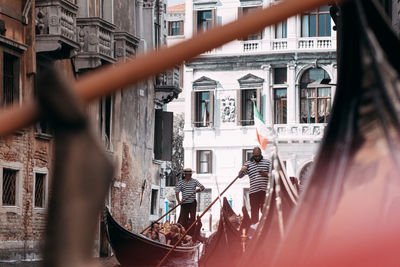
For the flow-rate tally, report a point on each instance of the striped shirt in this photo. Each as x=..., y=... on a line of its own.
x=257, y=182
x=187, y=188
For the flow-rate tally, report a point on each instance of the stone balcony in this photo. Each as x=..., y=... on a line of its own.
x=272, y=45
x=167, y=86
x=96, y=43
x=56, y=27
x=125, y=45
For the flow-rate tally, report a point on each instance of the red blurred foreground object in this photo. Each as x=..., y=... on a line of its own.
x=349, y=211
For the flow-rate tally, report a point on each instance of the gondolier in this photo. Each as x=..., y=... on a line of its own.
x=188, y=208
x=257, y=168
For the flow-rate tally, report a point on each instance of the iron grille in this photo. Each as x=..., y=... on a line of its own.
x=9, y=187
x=39, y=190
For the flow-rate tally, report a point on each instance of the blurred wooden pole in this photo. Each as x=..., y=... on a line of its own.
x=109, y=79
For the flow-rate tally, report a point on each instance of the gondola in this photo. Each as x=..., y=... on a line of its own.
x=132, y=249
x=348, y=214
x=224, y=246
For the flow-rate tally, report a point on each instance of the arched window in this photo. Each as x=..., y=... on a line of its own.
x=315, y=96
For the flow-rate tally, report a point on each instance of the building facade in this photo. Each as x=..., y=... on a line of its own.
x=78, y=36
x=288, y=71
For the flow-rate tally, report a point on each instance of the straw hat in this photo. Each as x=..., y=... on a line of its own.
x=188, y=171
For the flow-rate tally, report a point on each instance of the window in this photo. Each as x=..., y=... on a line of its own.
x=203, y=200
x=315, y=97
x=204, y=161
x=281, y=30
x=175, y=28
x=10, y=94
x=247, y=97
x=246, y=155
x=9, y=197
x=204, y=19
x=280, y=105
x=105, y=114
x=204, y=108
x=280, y=76
x=316, y=22
x=154, y=201
x=245, y=11
x=40, y=190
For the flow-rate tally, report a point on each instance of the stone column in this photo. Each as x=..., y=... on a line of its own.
x=267, y=95
x=291, y=33
x=139, y=18
x=187, y=89
x=291, y=92
x=148, y=23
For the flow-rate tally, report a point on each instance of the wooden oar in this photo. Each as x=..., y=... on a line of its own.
x=186, y=198
x=109, y=79
x=194, y=223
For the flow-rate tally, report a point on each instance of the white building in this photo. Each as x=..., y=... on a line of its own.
x=289, y=70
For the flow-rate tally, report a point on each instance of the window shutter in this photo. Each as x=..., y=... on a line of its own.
x=240, y=13
x=258, y=101
x=167, y=131
x=243, y=156
x=181, y=25
x=210, y=170
x=194, y=22
x=157, y=134
x=194, y=109
x=198, y=161
x=239, y=107
x=211, y=122
x=213, y=18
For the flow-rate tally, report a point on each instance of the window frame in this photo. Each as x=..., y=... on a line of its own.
x=283, y=28
x=209, y=161
x=317, y=12
x=283, y=117
x=242, y=12
x=16, y=77
x=196, y=28
x=245, y=153
x=312, y=85
x=45, y=172
x=317, y=99
x=180, y=27
x=107, y=140
x=196, y=122
x=241, y=105
x=154, y=216
x=17, y=166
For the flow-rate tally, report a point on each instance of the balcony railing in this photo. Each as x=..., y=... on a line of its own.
x=275, y=45
x=55, y=25
x=279, y=45
x=251, y=46
x=315, y=43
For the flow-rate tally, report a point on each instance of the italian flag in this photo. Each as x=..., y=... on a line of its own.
x=261, y=129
